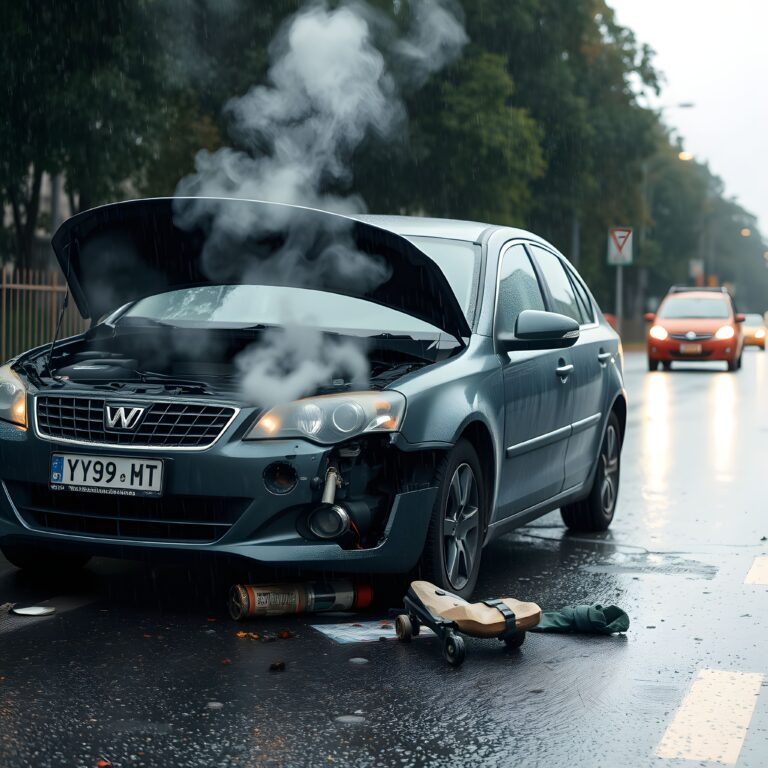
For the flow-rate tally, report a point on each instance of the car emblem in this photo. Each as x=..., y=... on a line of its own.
x=691, y=335
x=123, y=418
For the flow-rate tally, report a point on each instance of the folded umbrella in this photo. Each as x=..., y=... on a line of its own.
x=584, y=619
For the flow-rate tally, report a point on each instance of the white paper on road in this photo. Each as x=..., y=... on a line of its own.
x=363, y=631
x=712, y=720
x=758, y=573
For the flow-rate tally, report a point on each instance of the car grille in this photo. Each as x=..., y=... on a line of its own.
x=164, y=425
x=696, y=337
x=200, y=519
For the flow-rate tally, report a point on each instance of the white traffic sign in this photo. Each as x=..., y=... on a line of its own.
x=620, y=246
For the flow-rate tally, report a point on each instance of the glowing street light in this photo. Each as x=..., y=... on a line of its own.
x=746, y=232
x=685, y=156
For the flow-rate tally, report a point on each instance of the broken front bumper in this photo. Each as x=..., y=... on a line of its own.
x=214, y=501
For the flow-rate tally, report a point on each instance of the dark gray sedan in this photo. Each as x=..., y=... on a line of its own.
x=493, y=394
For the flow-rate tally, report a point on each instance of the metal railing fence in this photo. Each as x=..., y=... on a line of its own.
x=30, y=301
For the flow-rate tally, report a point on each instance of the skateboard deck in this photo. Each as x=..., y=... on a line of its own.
x=476, y=619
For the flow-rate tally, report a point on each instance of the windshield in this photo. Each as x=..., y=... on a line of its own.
x=243, y=306
x=459, y=261
x=754, y=320
x=694, y=308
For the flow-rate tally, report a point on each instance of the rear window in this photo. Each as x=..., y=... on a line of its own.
x=754, y=320
x=690, y=308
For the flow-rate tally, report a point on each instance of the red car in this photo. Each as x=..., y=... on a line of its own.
x=695, y=324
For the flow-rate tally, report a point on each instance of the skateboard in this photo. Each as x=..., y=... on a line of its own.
x=449, y=616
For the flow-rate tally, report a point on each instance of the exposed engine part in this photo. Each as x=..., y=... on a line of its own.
x=332, y=482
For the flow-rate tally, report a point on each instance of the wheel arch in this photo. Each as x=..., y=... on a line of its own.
x=619, y=407
x=478, y=434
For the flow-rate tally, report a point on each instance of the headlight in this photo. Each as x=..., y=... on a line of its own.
x=13, y=397
x=658, y=332
x=759, y=334
x=726, y=332
x=332, y=418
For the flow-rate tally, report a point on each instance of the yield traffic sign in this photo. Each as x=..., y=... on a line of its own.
x=620, y=246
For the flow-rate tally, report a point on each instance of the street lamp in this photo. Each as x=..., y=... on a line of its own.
x=746, y=232
x=685, y=156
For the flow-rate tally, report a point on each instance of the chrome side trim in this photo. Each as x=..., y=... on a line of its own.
x=539, y=442
x=552, y=437
x=112, y=446
x=584, y=424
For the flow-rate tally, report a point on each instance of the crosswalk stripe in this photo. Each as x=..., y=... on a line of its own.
x=758, y=573
x=712, y=720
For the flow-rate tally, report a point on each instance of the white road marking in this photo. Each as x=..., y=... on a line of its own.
x=758, y=573
x=713, y=718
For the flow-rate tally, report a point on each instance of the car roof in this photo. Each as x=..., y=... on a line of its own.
x=694, y=294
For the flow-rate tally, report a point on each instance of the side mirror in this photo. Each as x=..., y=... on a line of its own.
x=649, y=317
x=539, y=330
x=740, y=318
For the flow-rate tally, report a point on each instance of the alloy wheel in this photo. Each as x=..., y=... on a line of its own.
x=461, y=526
x=609, y=457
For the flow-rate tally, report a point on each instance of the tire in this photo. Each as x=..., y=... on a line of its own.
x=404, y=628
x=38, y=560
x=667, y=365
x=653, y=365
x=515, y=641
x=451, y=556
x=595, y=512
x=733, y=365
x=454, y=650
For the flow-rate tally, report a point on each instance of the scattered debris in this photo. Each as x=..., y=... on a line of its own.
x=226, y=662
x=285, y=634
x=350, y=719
x=34, y=610
x=102, y=762
x=358, y=660
x=277, y=666
x=214, y=705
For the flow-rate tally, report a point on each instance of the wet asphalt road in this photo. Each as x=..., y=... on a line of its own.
x=141, y=667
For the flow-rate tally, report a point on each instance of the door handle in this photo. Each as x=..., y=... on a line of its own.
x=604, y=357
x=563, y=371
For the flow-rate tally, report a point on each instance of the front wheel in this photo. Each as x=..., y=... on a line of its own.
x=38, y=560
x=653, y=365
x=595, y=512
x=734, y=365
x=451, y=557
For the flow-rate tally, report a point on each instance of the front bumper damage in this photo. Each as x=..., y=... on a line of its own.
x=263, y=526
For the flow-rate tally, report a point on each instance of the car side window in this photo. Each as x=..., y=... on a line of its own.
x=518, y=288
x=585, y=304
x=559, y=284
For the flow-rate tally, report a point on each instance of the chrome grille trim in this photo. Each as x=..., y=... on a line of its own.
x=697, y=337
x=170, y=423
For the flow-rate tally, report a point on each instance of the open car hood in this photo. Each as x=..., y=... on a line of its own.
x=124, y=252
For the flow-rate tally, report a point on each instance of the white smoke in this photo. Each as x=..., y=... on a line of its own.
x=328, y=88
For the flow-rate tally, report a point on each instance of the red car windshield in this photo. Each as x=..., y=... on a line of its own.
x=690, y=308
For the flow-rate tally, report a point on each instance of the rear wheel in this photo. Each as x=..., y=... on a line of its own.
x=43, y=561
x=451, y=557
x=595, y=513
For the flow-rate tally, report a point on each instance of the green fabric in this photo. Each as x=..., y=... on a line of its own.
x=584, y=619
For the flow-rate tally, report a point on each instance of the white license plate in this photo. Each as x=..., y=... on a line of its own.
x=690, y=349
x=109, y=475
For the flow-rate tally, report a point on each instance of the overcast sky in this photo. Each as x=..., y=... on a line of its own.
x=715, y=54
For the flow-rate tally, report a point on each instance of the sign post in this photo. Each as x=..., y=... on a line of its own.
x=619, y=256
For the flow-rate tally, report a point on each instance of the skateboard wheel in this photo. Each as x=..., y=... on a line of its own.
x=403, y=628
x=454, y=650
x=515, y=641
x=415, y=626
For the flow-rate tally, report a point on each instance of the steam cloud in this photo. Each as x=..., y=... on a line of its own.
x=328, y=88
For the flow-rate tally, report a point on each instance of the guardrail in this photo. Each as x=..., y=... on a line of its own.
x=30, y=301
